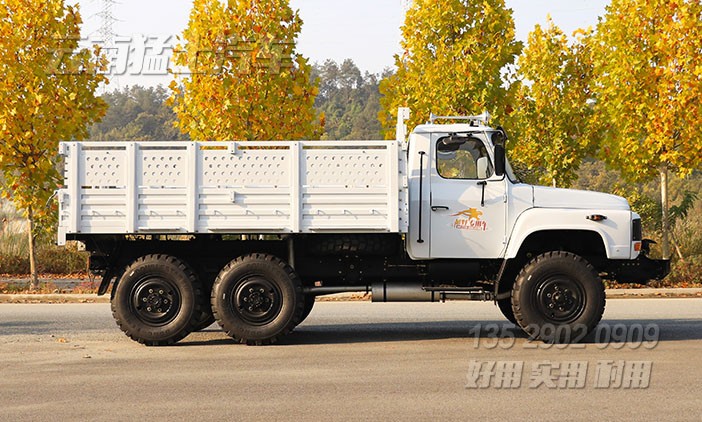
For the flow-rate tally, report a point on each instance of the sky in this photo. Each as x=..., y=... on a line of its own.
x=367, y=31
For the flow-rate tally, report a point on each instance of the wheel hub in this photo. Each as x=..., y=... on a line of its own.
x=561, y=299
x=155, y=301
x=257, y=300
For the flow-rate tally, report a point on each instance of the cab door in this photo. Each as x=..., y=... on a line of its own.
x=467, y=201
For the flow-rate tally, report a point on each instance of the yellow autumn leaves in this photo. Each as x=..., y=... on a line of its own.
x=628, y=91
x=42, y=99
x=246, y=81
x=454, y=53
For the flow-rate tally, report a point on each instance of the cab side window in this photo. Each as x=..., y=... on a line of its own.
x=462, y=158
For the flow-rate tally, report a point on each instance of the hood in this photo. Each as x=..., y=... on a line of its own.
x=545, y=197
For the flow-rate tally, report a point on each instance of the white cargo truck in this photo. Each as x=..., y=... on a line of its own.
x=249, y=233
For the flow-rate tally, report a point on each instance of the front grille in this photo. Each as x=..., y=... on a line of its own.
x=636, y=232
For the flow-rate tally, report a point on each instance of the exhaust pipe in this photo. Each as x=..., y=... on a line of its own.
x=407, y=292
x=416, y=292
x=413, y=292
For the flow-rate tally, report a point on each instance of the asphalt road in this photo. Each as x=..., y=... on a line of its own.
x=356, y=360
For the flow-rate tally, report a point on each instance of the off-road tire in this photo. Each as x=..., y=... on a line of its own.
x=257, y=299
x=157, y=300
x=558, y=297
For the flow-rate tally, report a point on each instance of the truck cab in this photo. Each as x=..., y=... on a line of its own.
x=467, y=203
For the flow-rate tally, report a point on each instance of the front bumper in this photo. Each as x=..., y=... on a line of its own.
x=641, y=270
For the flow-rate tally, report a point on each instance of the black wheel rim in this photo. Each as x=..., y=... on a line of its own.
x=155, y=301
x=256, y=300
x=560, y=299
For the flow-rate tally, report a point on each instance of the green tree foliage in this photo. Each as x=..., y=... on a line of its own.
x=137, y=114
x=649, y=83
x=246, y=81
x=47, y=87
x=553, y=122
x=348, y=100
x=454, y=54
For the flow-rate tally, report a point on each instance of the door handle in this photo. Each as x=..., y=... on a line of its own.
x=439, y=207
x=482, y=197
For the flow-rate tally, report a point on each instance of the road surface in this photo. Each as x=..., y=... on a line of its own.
x=356, y=360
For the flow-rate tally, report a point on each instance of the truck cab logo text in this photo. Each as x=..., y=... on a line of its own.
x=469, y=220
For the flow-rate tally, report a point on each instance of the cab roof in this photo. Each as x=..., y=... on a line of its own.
x=451, y=128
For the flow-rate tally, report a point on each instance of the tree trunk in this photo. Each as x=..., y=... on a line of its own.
x=664, y=206
x=34, y=279
x=676, y=245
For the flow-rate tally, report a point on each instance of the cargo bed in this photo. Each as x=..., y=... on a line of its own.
x=233, y=187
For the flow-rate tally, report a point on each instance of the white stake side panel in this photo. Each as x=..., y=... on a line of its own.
x=233, y=187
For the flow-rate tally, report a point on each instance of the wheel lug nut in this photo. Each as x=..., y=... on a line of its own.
x=148, y=308
x=160, y=310
x=550, y=305
x=151, y=290
x=144, y=300
x=160, y=292
x=261, y=290
x=250, y=308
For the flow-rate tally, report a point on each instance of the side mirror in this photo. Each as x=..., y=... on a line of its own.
x=500, y=160
x=499, y=137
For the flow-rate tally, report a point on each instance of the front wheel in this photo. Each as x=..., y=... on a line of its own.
x=257, y=299
x=558, y=297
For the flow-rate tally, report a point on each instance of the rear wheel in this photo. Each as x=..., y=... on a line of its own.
x=257, y=299
x=157, y=300
x=558, y=297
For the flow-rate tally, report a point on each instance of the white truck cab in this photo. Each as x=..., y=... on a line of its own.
x=470, y=209
x=249, y=233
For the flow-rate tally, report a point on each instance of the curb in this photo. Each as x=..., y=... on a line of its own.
x=653, y=293
x=345, y=297
x=53, y=298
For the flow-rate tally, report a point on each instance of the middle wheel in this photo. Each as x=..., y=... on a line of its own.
x=257, y=299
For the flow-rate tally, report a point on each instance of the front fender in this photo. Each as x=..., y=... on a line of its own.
x=615, y=230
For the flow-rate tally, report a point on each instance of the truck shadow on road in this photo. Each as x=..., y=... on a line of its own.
x=609, y=332
x=9, y=328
